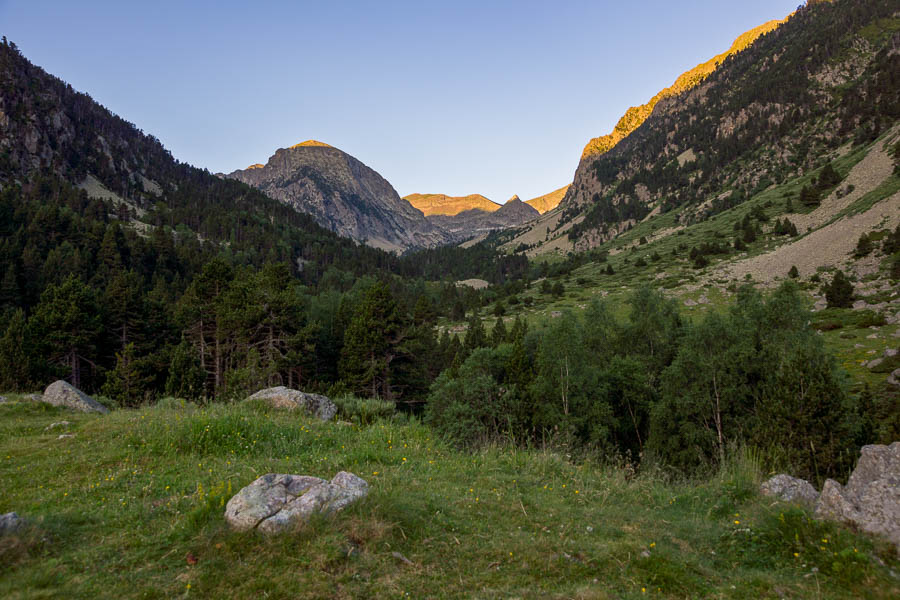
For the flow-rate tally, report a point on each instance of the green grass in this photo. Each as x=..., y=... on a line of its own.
x=131, y=507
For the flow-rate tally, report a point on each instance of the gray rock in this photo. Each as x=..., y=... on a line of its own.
x=57, y=424
x=871, y=498
x=61, y=393
x=276, y=503
x=2, y=399
x=10, y=523
x=790, y=489
x=283, y=397
x=894, y=377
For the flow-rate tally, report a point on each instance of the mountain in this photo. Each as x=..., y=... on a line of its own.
x=636, y=115
x=781, y=108
x=343, y=195
x=441, y=204
x=74, y=170
x=548, y=202
x=475, y=222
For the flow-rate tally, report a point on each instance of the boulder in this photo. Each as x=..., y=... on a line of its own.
x=10, y=523
x=60, y=393
x=277, y=503
x=284, y=397
x=871, y=498
x=790, y=489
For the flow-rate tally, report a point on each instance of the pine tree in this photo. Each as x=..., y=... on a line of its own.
x=371, y=344
x=839, y=293
x=67, y=324
x=186, y=377
x=498, y=334
x=128, y=383
x=16, y=355
x=475, y=335
x=864, y=246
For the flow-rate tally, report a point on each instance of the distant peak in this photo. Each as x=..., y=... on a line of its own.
x=256, y=166
x=515, y=198
x=312, y=143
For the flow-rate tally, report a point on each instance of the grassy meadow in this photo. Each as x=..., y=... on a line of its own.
x=132, y=506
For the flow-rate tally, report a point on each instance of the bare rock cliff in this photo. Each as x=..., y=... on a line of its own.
x=343, y=195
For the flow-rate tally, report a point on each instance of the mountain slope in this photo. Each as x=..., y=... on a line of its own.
x=636, y=115
x=50, y=134
x=343, y=195
x=441, y=204
x=548, y=202
x=476, y=222
x=828, y=76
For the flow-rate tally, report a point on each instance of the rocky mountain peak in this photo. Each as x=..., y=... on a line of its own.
x=343, y=195
x=312, y=144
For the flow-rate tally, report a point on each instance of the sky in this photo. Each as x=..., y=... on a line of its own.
x=458, y=97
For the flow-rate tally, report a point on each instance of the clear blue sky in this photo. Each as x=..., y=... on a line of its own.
x=455, y=97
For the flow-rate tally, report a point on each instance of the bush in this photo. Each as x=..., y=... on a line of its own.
x=474, y=408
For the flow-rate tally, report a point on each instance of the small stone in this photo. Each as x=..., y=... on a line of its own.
x=790, y=489
x=66, y=436
x=57, y=424
x=894, y=377
x=10, y=523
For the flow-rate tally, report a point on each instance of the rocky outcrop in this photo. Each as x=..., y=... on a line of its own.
x=870, y=501
x=61, y=393
x=284, y=397
x=871, y=498
x=343, y=195
x=471, y=223
x=277, y=503
x=790, y=489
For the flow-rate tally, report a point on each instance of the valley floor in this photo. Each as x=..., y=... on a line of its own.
x=130, y=505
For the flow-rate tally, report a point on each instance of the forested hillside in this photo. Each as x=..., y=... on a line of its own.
x=826, y=77
x=137, y=277
x=133, y=274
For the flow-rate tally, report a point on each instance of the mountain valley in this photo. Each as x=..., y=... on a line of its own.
x=579, y=395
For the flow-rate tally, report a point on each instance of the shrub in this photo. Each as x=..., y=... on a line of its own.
x=839, y=293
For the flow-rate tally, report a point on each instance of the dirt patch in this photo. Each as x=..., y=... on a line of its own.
x=478, y=284
x=831, y=245
x=867, y=175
